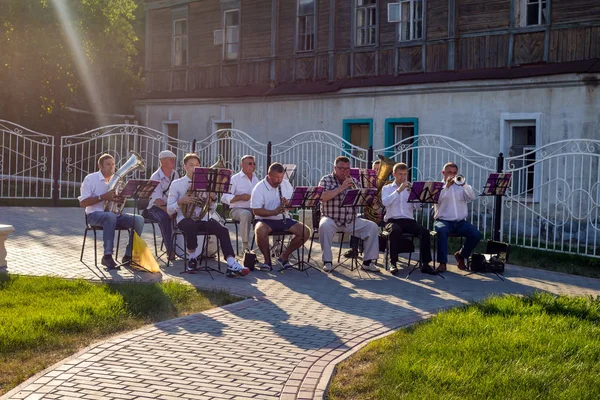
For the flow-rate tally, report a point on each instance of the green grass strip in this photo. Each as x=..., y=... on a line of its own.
x=539, y=347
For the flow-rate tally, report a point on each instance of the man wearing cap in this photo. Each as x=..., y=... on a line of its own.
x=157, y=207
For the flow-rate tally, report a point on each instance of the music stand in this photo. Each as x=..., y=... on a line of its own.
x=136, y=189
x=305, y=197
x=209, y=180
x=497, y=184
x=425, y=193
x=357, y=198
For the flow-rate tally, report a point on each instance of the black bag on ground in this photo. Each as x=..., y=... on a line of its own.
x=493, y=260
x=250, y=260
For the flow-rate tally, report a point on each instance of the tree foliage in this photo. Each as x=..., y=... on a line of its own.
x=38, y=71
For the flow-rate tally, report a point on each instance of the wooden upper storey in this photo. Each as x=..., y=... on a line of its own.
x=196, y=45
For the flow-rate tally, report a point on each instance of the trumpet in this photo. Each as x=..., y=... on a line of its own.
x=459, y=180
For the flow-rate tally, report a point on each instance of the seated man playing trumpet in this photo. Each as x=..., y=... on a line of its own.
x=399, y=218
x=95, y=197
x=335, y=218
x=269, y=200
x=180, y=195
x=450, y=215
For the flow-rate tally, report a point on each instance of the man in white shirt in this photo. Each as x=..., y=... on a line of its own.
x=399, y=218
x=157, y=207
x=94, y=192
x=238, y=198
x=178, y=196
x=450, y=215
x=268, y=202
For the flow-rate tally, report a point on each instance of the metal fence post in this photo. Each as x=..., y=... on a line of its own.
x=370, y=157
x=498, y=202
x=269, y=148
x=56, y=168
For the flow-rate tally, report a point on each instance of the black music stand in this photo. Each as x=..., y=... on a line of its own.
x=497, y=184
x=366, y=176
x=136, y=189
x=356, y=198
x=425, y=193
x=305, y=197
x=209, y=181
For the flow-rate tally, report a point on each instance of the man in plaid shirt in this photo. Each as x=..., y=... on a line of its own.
x=335, y=218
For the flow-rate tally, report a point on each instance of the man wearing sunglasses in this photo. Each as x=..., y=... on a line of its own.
x=157, y=207
x=238, y=197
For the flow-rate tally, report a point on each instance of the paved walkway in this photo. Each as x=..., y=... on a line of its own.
x=280, y=343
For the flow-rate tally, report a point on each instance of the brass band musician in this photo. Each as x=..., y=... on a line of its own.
x=335, y=218
x=94, y=193
x=180, y=196
x=399, y=218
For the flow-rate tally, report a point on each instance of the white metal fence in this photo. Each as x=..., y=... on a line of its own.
x=552, y=204
x=26, y=162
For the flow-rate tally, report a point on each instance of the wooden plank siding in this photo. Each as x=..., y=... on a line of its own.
x=437, y=57
x=489, y=51
x=574, y=44
x=322, y=25
x=343, y=24
x=203, y=19
x=483, y=38
x=528, y=48
x=437, y=19
x=565, y=11
x=482, y=15
x=387, y=31
x=161, y=36
x=255, y=28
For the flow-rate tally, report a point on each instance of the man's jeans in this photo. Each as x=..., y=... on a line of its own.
x=109, y=221
x=463, y=228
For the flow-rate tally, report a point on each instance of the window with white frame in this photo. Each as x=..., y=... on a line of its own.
x=231, y=27
x=409, y=16
x=404, y=134
x=534, y=12
x=306, y=25
x=522, y=153
x=366, y=22
x=180, y=42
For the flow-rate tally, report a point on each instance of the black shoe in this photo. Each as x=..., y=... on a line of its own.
x=108, y=262
x=126, y=260
x=394, y=269
x=230, y=273
x=426, y=269
x=192, y=264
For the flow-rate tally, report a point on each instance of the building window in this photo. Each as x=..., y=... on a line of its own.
x=404, y=135
x=180, y=42
x=410, y=26
x=306, y=25
x=534, y=12
x=366, y=22
x=232, y=34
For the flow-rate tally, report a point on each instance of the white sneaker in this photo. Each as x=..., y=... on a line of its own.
x=370, y=268
x=328, y=267
x=238, y=268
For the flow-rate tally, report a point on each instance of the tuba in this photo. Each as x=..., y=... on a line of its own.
x=188, y=210
x=374, y=212
x=117, y=182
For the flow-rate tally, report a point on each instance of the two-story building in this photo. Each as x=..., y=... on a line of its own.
x=498, y=75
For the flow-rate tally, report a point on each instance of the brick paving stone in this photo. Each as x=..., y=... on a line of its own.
x=280, y=343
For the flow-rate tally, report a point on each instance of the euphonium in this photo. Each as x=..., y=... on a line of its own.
x=117, y=182
x=204, y=203
x=374, y=212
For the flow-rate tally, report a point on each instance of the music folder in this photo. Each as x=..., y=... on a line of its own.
x=497, y=184
x=140, y=188
x=425, y=192
x=359, y=197
x=306, y=196
x=213, y=180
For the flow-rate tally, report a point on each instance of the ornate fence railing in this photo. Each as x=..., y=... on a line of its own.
x=552, y=203
x=26, y=162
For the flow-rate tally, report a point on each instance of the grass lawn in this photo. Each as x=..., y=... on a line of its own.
x=539, y=347
x=44, y=320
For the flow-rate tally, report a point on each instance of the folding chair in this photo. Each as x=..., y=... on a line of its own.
x=178, y=232
x=95, y=228
x=229, y=220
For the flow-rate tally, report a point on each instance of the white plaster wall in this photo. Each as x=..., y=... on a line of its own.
x=469, y=112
